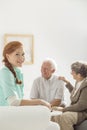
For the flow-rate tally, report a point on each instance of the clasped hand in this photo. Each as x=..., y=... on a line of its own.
x=55, y=108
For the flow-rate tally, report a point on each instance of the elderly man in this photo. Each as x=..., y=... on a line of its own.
x=48, y=87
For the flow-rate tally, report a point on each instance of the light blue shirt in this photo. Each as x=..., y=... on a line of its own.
x=8, y=86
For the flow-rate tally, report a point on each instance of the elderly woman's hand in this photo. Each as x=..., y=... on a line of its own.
x=63, y=78
x=55, y=108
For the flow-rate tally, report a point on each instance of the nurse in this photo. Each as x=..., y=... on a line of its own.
x=11, y=78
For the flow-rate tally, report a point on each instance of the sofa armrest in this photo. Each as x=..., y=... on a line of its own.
x=24, y=118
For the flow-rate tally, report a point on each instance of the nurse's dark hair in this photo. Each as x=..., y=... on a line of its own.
x=80, y=68
x=8, y=49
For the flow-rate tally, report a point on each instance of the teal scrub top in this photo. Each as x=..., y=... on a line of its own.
x=8, y=86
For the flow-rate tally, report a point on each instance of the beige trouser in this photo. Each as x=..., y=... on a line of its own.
x=66, y=120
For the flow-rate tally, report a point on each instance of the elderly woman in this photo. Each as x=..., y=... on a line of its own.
x=77, y=111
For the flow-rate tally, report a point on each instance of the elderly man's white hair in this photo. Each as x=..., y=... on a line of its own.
x=52, y=62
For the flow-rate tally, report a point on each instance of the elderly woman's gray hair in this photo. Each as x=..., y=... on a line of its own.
x=80, y=68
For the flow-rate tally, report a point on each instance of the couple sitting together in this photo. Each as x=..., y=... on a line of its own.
x=47, y=90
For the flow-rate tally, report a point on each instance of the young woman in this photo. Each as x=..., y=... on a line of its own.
x=77, y=111
x=11, y=78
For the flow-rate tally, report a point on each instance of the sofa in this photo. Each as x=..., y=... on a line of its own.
x=82, y=126
x=26, y=118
